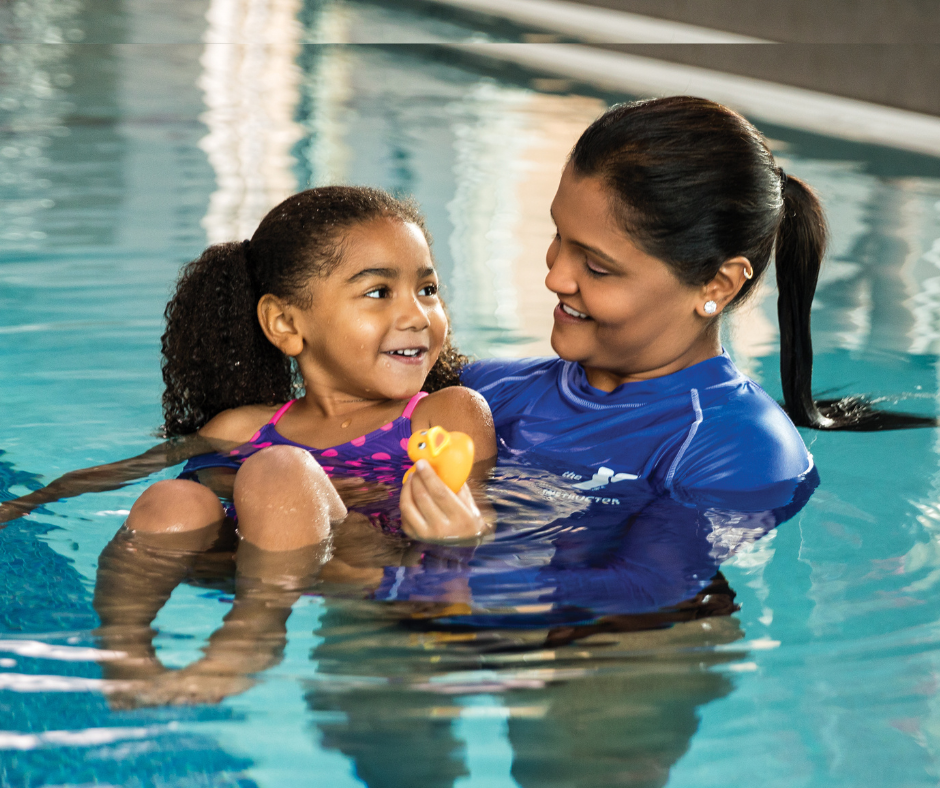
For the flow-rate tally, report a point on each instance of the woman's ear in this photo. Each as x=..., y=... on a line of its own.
x=278, y=322
x=721, y=290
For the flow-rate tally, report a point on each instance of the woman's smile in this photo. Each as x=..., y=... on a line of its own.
x=564, y=312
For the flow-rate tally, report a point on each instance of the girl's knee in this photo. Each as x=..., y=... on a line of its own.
x=175, y=506
x=282, y=473
x=279, y=465
x=285, y=499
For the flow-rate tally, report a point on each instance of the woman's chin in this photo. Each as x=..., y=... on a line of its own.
x=565, y=348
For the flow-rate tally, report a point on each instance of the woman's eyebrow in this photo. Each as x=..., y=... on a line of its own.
x=597, y=253
x=605, y=257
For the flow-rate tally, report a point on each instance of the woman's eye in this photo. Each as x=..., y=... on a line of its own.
x=428, y=290
x=377, y=292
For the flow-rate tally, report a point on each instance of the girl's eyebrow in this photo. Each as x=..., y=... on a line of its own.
x=383, y=273
x=386, y=273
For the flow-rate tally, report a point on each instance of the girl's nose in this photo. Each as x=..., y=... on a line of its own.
x=413, y=315
x=560, y=278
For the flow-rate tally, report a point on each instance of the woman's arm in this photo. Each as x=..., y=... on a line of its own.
x=431, y=512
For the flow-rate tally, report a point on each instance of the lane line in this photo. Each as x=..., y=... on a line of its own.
x=799, y=108
x=599, y=25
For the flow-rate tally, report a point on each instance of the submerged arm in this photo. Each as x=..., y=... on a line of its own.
x=111, y=476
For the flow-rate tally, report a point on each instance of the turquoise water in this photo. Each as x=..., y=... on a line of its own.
x=127, y=143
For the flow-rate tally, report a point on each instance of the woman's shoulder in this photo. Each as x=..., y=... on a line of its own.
x=493, y=376
x=238, y=425
x=741, y=439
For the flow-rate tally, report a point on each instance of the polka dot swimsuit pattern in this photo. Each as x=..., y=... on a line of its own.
x=380, y=456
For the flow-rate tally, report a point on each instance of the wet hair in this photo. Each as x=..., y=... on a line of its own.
x=694, y=184
x=215, y=355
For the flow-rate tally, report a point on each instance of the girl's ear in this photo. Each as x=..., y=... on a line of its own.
x=278, y=322
x=725, y=286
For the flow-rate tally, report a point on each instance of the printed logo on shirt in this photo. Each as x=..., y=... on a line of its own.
x=601, y=478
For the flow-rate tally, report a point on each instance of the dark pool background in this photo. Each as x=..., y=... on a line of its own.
x=127, y=142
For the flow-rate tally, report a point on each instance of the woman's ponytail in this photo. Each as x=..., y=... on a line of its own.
x=800, y=245
x=215, y=356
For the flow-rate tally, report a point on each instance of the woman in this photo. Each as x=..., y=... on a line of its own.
x=667, y=215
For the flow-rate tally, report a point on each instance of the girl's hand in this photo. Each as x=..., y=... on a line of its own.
x=13, y=510
x=431, y=512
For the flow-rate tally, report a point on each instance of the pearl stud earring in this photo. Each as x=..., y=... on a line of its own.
x=710, y=307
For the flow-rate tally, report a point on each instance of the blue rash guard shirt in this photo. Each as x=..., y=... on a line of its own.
x=616, y=503
x=705, y=435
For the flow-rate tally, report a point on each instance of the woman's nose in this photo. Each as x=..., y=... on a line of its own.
x=559, y=278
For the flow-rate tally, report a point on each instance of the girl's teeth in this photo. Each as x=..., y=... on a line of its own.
x=567, y=309
x=405, y=352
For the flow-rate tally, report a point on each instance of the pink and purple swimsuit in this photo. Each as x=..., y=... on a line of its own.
x=380, y=456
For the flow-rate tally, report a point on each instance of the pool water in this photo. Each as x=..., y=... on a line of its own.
x=129, y=140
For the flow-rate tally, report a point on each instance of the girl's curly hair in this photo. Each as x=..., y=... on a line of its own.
x=215, y=355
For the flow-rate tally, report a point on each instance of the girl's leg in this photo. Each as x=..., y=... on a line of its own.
x=285, y=500
x=182, y=508
x=169, y=525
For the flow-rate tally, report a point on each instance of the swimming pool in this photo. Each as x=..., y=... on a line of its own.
x=129, y=143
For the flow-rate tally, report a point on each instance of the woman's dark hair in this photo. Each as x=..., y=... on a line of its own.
x=694, y=184
x=215, y=355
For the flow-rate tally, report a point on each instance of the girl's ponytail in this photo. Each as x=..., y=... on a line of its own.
x=215, y=356
x=800, y=246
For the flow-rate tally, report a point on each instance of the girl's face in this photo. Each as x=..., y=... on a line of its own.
x=376, y=325
x=622, y=313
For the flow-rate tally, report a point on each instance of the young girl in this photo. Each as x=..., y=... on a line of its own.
x=337, y=286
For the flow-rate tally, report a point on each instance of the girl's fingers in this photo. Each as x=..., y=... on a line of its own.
x=412, y=521
x=427, y=497
x=443, y=514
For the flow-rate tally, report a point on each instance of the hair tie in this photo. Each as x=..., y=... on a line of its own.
x=245, y=244
x=780, y=173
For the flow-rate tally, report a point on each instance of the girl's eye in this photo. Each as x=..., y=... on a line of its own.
x=378, y=292
x=428, y=290
x=593, y=270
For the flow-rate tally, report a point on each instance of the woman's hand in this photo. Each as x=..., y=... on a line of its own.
x=431, y=512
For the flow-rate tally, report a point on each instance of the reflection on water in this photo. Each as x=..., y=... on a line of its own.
x=591, y=704
x=118, y=162
x=618, y=709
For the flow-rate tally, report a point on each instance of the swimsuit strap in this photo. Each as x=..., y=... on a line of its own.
x=412, y=404
x=281, y=411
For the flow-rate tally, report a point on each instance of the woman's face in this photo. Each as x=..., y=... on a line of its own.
x=622, y=314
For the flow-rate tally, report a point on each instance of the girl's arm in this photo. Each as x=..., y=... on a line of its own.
x=430, y=511
x=111, y=476
x=222, y=433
